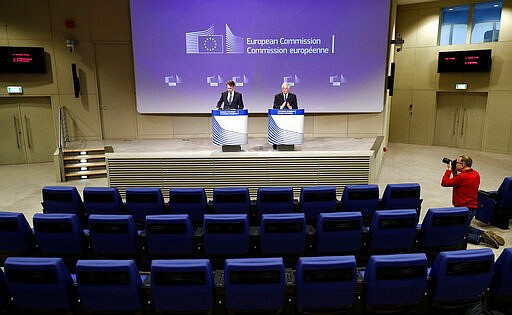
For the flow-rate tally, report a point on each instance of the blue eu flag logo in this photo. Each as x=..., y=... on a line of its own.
x=211, y=44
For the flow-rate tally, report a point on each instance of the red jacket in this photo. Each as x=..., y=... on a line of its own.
x=465, y=188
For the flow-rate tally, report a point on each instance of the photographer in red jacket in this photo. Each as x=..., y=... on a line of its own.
x=465, y=182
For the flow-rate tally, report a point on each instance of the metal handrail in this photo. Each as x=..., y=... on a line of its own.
x=62, y=128
x=62, y=141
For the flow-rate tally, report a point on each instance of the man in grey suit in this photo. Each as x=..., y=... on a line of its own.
x=285, y=100
x=230, y=99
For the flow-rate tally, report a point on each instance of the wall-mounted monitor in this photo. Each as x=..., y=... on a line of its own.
x=464, y=61
x=22, y=60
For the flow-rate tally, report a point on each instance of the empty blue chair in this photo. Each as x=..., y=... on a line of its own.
x=395, y=282
x=231, y=200
x=109, y=285
x=459, y=278
x=254, y=284
x=113, y=235
x=316, y=200
x=324, y=284
x=274, y=200
x=495, y=207
x=191, y=201
x=62, y=199
x=16, y=237
x=226, y=234
x=363, y=198
x=283, y=234
x=182, y=285
x=401, y=196
x=59, y=234
x=444, y=229
x=141, y=202
x=339, y=232
x=103, y=200
x=500, y=289
x=393, y=230
x=40, y=284
x=169, y=235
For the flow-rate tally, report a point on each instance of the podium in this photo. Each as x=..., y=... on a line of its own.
x=229, y=129
x=285, y=128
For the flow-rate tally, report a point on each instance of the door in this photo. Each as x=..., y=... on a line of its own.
x=28, y=133
x=400, y=117
x=460, y=119
x=12, y=147
x=412, y=117
x=472, y=121
x=39, y=132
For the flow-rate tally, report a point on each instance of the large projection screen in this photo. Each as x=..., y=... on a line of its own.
x=331, y=52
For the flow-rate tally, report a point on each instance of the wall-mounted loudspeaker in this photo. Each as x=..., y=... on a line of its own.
x=391, y=79
x=76, y=80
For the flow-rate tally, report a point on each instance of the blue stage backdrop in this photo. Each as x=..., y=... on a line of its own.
x=332, y=52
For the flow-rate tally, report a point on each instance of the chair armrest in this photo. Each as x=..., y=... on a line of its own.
x=490, y=194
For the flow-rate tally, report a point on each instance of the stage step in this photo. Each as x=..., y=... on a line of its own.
x=88, y=164
x=86, y=157
x=71, y=151
x=86, y=174
x=84, y=163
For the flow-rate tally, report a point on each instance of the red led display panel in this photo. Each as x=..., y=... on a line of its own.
x=22, y=60
x=464, y=61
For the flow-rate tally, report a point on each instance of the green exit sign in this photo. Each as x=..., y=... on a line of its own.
x=14, y=90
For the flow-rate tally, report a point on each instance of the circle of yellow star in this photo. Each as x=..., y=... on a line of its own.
x=210, y=44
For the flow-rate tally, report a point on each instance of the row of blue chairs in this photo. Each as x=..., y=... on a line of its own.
x=402, y=283
x=141, y=202
x=230, y=234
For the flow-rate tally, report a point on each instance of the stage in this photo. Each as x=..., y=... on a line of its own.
x=197, y=162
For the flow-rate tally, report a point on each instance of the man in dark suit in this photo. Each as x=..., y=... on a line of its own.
x=285, y=100
x=230, y=98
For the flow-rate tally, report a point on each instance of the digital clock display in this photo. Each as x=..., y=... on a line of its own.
x=22, y=59
x=464, y=61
